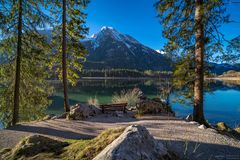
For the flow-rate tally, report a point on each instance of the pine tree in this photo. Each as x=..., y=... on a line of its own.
x=72, y=30
x=199, y=54
x=24, y=67
x=191, y=30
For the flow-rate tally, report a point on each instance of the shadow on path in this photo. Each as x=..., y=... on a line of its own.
x=202, y=151
x=51, y=132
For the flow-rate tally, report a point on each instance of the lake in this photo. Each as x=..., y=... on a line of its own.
x=222, y=102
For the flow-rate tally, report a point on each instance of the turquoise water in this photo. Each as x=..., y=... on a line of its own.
x=222, y=103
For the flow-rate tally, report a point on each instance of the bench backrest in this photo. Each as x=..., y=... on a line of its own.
x=114, y=107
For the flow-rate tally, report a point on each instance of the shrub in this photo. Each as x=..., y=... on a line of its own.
x=93, y=101
x=131, y=97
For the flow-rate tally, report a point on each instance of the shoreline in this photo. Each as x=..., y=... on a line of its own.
x=115, y=78
x=122, y=78
x=224, y=78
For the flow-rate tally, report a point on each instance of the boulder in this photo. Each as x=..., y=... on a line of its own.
x=82, y=111
x=135, y=143
x=153, y=106
x=32, y=146
x=189, y=118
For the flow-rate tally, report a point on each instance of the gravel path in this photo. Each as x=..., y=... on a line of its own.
x=183, y=138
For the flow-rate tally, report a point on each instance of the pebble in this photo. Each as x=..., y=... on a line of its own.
x=202, y=127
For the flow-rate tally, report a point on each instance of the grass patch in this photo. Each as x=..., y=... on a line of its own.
x=33, y=145
x=131, y=97
x=93, y=101
x=38, y=147
x=88, y=149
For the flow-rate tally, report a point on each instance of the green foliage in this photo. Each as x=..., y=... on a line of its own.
x=76, y=31
x=183, y=80
x=234, y=49
x=179, y=26
x=34, y=90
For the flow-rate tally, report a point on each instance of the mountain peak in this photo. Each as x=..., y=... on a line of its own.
x=110, y=48
x=107, y=28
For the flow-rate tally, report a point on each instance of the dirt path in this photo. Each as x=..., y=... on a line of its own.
x=179, y=136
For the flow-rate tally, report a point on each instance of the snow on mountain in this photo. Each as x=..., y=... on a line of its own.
x=160, y=51
x=111, y=49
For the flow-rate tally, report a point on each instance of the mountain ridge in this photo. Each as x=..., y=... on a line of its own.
x=110, y=49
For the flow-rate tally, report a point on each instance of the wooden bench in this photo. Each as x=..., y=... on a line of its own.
x=114, y=107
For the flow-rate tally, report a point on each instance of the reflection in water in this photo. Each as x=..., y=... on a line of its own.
x=221, y=101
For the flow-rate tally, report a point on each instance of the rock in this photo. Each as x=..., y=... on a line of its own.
x=237, y=130
x=150, y=106
x=83, y=111
x=64, y=115
x=34, y=145
x=55, y=117
x=221, y=126
x=48, y=117
x=135, y=143
x=189, y=118
x=202, y=126
x=139, y=92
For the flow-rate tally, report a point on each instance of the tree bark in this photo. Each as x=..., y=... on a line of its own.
x=64, y=63
x=15, y=116
x=198, y=114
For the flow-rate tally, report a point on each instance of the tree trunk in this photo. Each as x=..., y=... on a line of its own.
x=198, y=114
x=15, y=115
x=64, y=61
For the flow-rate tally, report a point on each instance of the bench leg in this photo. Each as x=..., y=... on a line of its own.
x=124, y=110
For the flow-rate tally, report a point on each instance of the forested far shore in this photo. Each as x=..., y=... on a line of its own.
x=123, y=73
x=229, y=75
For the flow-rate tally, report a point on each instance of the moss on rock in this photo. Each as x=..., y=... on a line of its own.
x=88, y=149
x=237, y=130
x=38, y=147
x=221, y=126
x=32, y=146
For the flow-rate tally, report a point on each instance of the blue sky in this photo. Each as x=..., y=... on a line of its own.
x=138, y=19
